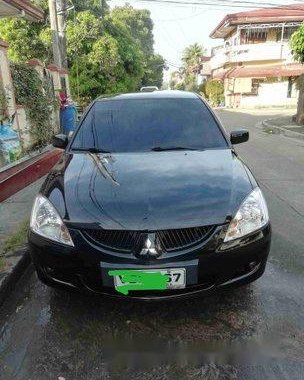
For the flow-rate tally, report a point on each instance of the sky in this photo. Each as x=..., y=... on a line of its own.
x=176, y=26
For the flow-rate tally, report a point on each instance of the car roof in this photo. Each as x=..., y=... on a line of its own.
x=167, y=94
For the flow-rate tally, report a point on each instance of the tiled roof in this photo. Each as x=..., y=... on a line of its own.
x=32, y=11
x=287, y=13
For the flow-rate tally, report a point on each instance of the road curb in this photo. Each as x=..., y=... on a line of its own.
x=10, y=277
x=266, y=123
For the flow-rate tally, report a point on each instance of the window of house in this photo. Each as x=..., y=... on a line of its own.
x=230, y=85
x=255, y=85
x=253, y=36
x=288, y=32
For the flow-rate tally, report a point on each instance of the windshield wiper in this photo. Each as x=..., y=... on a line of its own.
x=167, y=148
x=90, y=150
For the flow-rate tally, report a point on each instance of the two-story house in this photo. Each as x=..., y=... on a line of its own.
x=255, y=61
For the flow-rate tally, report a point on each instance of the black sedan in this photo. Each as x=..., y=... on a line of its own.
x=150, y=201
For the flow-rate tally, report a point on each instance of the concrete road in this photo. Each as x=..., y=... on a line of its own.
x=256, y=332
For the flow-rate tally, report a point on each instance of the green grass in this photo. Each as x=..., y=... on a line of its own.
x=2, y=263
x=17, y=240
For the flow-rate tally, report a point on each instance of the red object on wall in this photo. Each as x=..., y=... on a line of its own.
x=21, y=175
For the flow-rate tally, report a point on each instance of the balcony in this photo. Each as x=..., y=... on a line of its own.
x=251, y=52
x=258, y=52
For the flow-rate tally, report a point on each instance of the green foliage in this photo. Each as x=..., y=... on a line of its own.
x=215, y=91
x=180, y=86
x=190, y=82
x=44, y=4
x=297, y=48
x=103, y=57
x=17, y=240
x=97, y=7
x=153, y=71
x=2, y=263
x=139, y=25
x=24, y=39
x=3, y=103
x=202, y=89
x=108, y=54
x=297, y=44
x=82, y=33
x=191, y=58
x=34, y=95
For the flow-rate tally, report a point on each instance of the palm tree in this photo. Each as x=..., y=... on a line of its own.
x=191, y=57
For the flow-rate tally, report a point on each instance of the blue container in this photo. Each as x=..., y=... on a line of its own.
x=10, y=149
x=68, y=119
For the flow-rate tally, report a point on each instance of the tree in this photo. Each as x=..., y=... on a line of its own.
x=191, y=58
x=24, y=38
x=103, y=57
x=215, y=91
x=139, y=24
x=140, y=27
x=297, y=47
x=112, y=53
x=153, y=71
x=190, y=69
x=97, y=7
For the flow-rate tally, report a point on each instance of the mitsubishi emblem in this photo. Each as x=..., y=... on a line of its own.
x=149, y=248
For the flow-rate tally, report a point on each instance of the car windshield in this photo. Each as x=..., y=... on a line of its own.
x=139, y=125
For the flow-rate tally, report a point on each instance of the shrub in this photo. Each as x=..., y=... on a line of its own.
x=215, y=91
x=34, y=95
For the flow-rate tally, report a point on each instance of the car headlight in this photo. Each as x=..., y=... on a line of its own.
x=251, y=216
x=45, y=221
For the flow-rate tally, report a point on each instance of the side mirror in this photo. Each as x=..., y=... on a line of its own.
x=60, y=141
x=239, y=136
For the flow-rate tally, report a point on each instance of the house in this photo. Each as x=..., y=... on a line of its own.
x=14, y=8
x=205, y=70
x=255, y=61
x=57, y=76
x=21, y=8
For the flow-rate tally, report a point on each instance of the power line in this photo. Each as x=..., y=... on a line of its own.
x=169, y=39
x=173, y=65
x=223, y=4
x=181, y=18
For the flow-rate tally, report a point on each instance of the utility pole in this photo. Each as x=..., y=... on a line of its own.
x=61, y=17
x=55, y=35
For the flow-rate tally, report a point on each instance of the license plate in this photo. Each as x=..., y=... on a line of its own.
x=152, y=279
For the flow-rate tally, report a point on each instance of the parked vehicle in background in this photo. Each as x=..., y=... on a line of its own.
x=149, y=89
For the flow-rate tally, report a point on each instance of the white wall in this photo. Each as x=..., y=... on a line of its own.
x=270, y=94
x=7, y=82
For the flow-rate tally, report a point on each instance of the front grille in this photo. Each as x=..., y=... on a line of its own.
x=117, y=240
x=171, y=240
x=167, y=240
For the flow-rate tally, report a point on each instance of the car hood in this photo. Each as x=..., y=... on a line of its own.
x=148, y=191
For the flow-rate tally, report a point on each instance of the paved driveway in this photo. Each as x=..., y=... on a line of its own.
x=254, y=332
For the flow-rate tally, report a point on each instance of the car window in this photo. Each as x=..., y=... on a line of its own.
x=136, y=125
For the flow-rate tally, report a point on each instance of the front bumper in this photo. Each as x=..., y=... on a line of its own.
x=209, y=268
